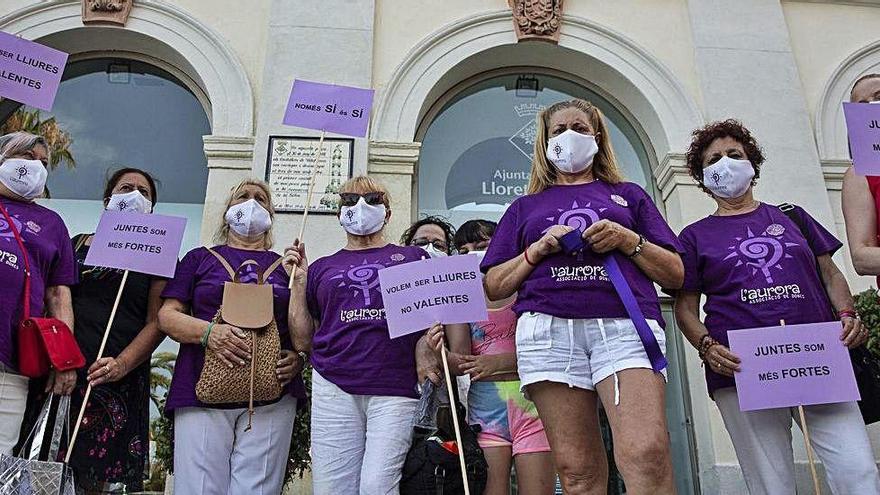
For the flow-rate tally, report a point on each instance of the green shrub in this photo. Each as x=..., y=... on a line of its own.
x=868, y=306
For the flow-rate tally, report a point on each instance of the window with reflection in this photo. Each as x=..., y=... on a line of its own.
x=477, y=151
x=111, y=113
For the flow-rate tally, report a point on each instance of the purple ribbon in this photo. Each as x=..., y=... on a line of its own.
x=646, y=335
x=572, y=243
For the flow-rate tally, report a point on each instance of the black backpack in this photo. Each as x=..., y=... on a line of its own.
x=431, y=469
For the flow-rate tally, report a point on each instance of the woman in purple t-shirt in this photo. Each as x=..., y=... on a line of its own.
x=363, y=383
x=575, y=341
x=214, y=450
x=758, y=264
x=23, y=159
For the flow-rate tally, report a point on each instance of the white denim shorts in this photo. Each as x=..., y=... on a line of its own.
x=580, y=353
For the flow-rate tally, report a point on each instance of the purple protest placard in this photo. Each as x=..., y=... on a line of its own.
x=863, y=126
x=795, y=365
x=328, y=107
x=140, y=242
x=29, y=72
x=447, y=290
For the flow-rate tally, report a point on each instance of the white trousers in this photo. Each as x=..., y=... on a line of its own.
x=762, y=440
x=13, y=399
x=359, y=442
x=213, y=455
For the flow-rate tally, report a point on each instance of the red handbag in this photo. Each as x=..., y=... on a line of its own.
x=42, y=342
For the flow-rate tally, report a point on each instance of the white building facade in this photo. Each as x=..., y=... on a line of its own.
x=192, y=90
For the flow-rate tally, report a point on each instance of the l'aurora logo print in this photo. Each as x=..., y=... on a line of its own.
x=764, y=255
x=363, y=279
x=7, y=257
x=579, y=218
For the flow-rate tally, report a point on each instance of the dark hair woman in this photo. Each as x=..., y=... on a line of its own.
x=433, y=234
x=113, y=442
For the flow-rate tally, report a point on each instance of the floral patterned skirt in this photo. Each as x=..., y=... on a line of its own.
x=111, y=449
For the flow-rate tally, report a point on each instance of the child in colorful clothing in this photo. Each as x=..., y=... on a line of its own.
x=510, y=428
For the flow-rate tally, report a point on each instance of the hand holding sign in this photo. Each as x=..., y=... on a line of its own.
x=439, y=290
x=423, y=293
x=327, y=107
x=793, y=365
x=130, y=241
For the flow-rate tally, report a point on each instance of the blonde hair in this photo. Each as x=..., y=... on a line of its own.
x=605, y=167
x=222, y=234
x=362, y=184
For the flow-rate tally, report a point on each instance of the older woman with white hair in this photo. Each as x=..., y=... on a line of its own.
x=216, y=448
x=49, y=254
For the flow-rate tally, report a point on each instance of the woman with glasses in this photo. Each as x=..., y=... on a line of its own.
x=364, y=384
x=433, y=234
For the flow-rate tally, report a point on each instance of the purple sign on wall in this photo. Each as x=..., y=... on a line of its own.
x=29, y=72
x=140, y=242
x=328, y=107
x=795, y=365
x=447, y=290
x=863, y=126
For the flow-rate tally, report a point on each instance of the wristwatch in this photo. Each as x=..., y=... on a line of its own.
x=638, y=250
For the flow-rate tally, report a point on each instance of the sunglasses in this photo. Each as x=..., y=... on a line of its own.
x=371, y=198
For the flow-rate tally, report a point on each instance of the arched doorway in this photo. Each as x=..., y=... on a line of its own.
x=115, y=112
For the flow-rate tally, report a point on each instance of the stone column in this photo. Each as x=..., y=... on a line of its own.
x=747, y=71
x=394, y=165
x=329, y=41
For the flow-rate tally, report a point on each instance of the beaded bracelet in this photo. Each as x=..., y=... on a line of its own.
x=706, y=343
x=847, y=313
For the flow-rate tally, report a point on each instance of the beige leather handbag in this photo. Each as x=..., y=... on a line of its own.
x=250, y=308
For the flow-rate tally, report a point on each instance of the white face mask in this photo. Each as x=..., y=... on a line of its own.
x=362, y=219
x=572, y=152
x=248, y=219
x=728, y=178
x=433, y=252
x=130, y=201
x=26, y=178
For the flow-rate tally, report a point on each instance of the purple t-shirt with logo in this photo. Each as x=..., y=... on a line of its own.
x=351, y=347
x=577, y=287
x=756, y=269
x=50, y=255
x=198, y=282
